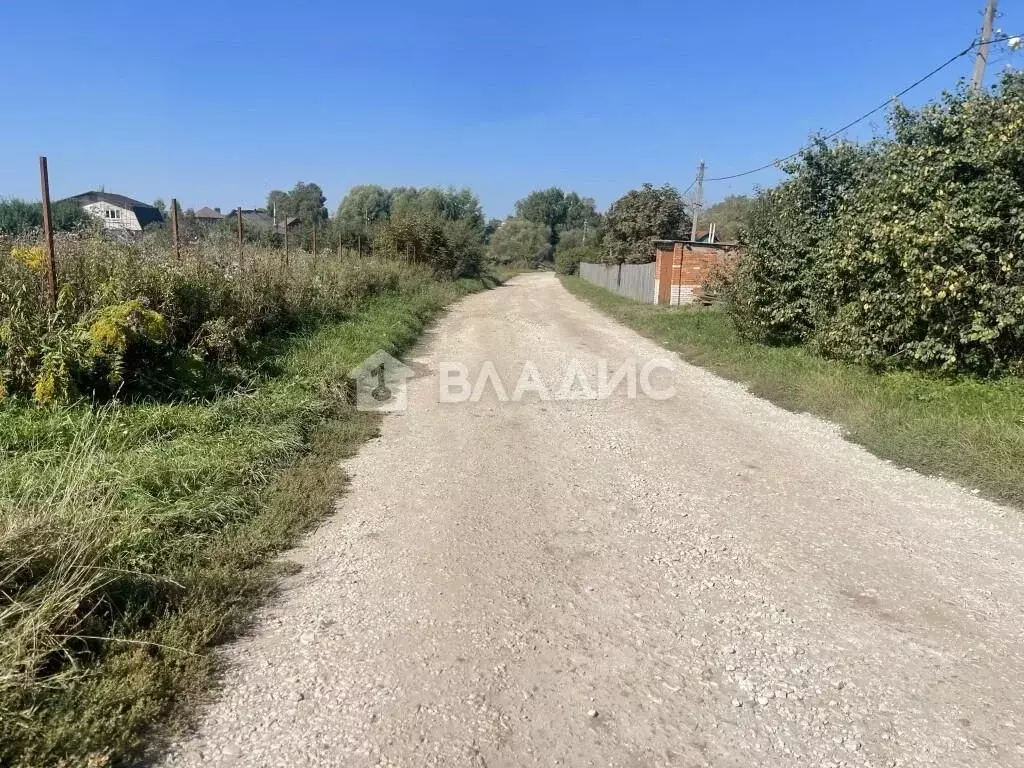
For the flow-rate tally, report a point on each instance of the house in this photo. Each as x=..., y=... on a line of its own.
x=207, y=215
x=260, y=218
x=117, y=211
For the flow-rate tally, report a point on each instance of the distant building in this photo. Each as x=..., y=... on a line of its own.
x=259, y=217
x=682, y=268
x=209, y=215
x=118, y=211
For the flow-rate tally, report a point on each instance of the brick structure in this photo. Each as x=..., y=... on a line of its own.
x=682, y=267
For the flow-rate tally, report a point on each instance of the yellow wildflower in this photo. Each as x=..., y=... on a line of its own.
x=33, y=257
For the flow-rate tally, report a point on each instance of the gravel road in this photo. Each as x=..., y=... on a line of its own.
x=701, y=581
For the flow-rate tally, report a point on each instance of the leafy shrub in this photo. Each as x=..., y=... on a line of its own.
x=567, y=261
x=904, y=252
x=451, y=248
x=520, y=242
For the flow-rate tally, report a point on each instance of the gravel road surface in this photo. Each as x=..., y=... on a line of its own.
x=706, y=580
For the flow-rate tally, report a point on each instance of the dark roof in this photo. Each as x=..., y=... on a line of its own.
x=260, y=217
x=144, y=212
x=208, y=213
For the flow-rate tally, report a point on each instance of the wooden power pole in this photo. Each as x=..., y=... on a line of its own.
x=981, y=60
x=174, y=228
x=239, y=237
x=51, y=261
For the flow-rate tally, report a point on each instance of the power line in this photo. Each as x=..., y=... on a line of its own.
x=866, y=115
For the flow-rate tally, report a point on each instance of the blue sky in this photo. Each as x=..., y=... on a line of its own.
x=218, y=102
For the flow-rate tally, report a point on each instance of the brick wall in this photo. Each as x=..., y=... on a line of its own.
x=682, y=269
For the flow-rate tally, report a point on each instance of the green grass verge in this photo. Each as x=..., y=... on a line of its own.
x=968, y=430
x=137, y=537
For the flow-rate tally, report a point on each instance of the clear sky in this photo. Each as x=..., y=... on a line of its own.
x=217, y=102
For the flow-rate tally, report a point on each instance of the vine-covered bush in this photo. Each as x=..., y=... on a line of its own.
x=902, y=253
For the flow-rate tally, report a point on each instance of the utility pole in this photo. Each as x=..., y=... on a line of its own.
x=978, y=81
x=698, y=197
x=585, y=223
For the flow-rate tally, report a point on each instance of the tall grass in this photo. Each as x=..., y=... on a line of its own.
x=138, y=531
x=134, y=321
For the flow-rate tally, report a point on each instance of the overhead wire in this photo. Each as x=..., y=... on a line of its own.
x=866, y=115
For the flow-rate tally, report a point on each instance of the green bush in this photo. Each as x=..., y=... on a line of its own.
x=567, y=261
x=135, y=322
x=451, y=248
x=18, y=217
x=901, y=253
x=519, y=242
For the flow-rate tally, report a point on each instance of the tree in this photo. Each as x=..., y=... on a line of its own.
x=641, y=216
x=730, y=216
x=306, y=203
x=546, y=206
x=20, y=216
x=490, y=228
x=361, y=209
x=558, y=211
x=448, y=204
x=520, y=241
x=277, y=202
x=580, y=212
x=161, y=206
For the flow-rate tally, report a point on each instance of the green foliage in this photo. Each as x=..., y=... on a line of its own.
x=568, y=260
x=520, y=242
x=590, y=237
x=558, y=211
x=366, y=208
x=18, y=217
x=905, y=252
x=156, y=526
x=132, y=322
x=640, y=216
x=451, y=248
x=361, y=209
x=775, y=284
x=306, y=203
x=729, y=216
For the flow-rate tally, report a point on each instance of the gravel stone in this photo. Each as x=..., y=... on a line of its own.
x=494, y=564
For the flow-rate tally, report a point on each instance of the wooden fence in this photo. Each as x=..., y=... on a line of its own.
x=633, y=280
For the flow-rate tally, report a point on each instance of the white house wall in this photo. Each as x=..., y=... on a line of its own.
x=128, y=218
